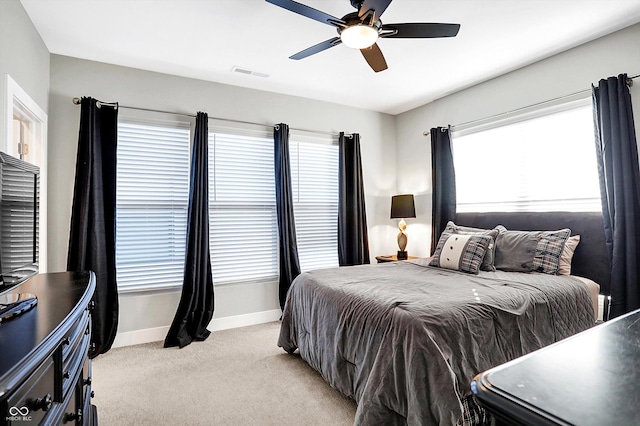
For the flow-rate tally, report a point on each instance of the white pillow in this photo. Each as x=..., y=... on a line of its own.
x=460, y=252
x=564, y=267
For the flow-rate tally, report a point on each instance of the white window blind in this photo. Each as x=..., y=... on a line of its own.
x=314, y=175
x=19, y=218
x=546, y=163
x=242, y=207
x=152, y=192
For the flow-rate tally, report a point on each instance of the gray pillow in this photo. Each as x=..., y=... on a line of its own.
x=460, y=252
x=530, y=251
x=488, y=261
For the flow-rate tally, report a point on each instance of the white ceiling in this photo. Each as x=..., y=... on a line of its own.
x=204, y=39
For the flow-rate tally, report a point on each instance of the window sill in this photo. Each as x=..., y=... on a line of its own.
x=178, y=287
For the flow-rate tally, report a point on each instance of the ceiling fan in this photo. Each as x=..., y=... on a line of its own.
x=361, y=29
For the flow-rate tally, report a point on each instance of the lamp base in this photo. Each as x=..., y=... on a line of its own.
x=402, y=255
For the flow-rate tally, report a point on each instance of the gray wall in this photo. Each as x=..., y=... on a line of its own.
x=71, y=77
x=23, y=55
x=25, y=58
x=568, y=72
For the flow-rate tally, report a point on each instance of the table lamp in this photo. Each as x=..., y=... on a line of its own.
x=402, y=206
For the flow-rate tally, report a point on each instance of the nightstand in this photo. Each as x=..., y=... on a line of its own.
x=392, y=258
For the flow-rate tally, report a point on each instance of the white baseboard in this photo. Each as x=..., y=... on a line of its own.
x=137, y=337
x=158, y=334
x=244, y=320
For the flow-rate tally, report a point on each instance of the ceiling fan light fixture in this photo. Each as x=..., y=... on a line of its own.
x=359, y=36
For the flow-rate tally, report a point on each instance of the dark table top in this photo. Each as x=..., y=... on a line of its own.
x=592, y=378
x=23, y=339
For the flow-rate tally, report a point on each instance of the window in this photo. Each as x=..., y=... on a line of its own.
x=152, y=193
x=26, y=135
x=152, y=202
x=243, y=228
x=314, y=175
x=546, y=163
x=22, y=135
x=26, y=138
x=242, y=207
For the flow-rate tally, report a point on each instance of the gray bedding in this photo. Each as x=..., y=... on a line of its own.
x=404, y=340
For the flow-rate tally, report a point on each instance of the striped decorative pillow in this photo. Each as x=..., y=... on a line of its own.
x=461, y=252
x=549, y=250
x=530, y=251
x=488, y=261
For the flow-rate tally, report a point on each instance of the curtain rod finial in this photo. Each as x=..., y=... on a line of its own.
x=76, y=101
x=426, y=133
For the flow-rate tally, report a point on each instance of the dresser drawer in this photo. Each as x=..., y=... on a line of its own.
x=87, y=375
x=72, y=366
x=73, y=413
x=33, y=400
x=75, y=334
x=74, y=347
x=87, y=392
x=86, y=407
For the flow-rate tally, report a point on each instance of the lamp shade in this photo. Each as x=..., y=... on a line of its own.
x=402, y=206
x=359, y=36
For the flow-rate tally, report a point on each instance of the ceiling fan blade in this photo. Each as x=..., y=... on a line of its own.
x=374, y=57
x=419, y=30
x=377, y=6
x=317, y=48
x=309, y=12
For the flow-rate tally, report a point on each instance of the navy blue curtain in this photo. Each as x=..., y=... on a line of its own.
x=195, y=309
x=617, y=154
x=92, y=233
x=443, y=181
x=287, y=245
x=353, y=242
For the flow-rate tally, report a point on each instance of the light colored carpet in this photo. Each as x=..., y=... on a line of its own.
x=235, y=377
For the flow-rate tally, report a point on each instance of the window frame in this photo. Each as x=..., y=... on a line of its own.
x=219, y=126
x=296, y=139
x=237, y=130
x=170, y=121
x=533, y=112
x=17, y=100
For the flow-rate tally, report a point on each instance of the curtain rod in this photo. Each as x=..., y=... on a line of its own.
x=629, y=82
x=76, y=101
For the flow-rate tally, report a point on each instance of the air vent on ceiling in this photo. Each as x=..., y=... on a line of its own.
x=248, y=72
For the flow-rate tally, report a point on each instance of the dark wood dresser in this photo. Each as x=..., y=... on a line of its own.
x=592, y=378
x=45, y=372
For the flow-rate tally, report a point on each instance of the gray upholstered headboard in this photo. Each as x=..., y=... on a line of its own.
x=590, y=259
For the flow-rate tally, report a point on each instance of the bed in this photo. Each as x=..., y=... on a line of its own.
x=405, y=339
